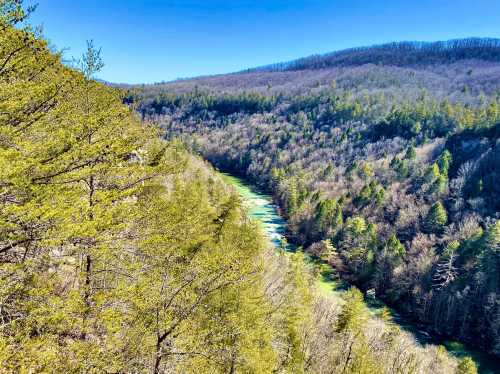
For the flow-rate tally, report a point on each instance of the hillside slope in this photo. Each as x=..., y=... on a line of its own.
x=459, y=74
x=123, y=253
x=396, y=166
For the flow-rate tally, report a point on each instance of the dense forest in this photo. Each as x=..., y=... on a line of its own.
x=399, y=181
x=398, y=54
x=458, y=70
x=121, y=252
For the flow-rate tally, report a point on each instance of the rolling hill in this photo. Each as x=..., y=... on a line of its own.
x=389, y=153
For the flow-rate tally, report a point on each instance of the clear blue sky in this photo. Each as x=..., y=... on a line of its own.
x=155, y=40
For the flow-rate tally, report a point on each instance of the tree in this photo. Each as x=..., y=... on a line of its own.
x=440, y=183
x=353, y=315
x=328, y=216
x=489, y=259
x=466, y=366
x=436, y=218
x=433, y=172
x=446, y=272
x=110, y=257
x=91, y=62
x=444, y=162
x=411, y=153
x=12, y=12
x=394, y=246
x=328, y=253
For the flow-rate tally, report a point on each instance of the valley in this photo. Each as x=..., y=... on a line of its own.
x=337, y=213
x=261, y=208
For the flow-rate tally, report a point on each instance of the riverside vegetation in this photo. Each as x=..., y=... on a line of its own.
x=123, y=253
x=388, y=171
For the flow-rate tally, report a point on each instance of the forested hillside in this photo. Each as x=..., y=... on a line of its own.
x=396, y=166
x=121, y=252
x=457, y=70
x=399, y=54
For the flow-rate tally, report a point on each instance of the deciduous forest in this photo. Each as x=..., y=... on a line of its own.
x=122, y=250
x=400, y=179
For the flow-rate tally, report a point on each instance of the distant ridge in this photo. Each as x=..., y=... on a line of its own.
x=396, y=53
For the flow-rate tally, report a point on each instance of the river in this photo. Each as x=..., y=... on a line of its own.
x=261, y=208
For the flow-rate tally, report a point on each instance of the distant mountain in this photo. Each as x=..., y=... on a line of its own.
x=458, y=70
x=397, y=54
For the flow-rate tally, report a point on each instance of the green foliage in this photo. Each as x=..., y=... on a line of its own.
x=439, y=184
x=466, y=366
x=400, y=167
x=13, y=12
x=116, y=254
x=120, y=252
x=489, y=257
x=444, y=162
x=394, y=246
x=328, y=216
x=411, y=153
x=433, y=172
x=436, y=218
x=318, y=151
x=356, y=225
x=353, y=315
x=371, y=192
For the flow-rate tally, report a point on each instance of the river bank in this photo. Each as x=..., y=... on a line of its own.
x=262, y=208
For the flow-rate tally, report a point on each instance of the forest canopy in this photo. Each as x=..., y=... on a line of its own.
x=121, y=252
x=401, y=181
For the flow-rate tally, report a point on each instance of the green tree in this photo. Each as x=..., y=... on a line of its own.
x=353, y=315
x=13, y=12
x=436, y=218
x=328, y=216
x=444, y=162
x=433, y=172
x=411, y=152
x=489, y=258
x=111, y=258
x=466, y=366
x=394, y=246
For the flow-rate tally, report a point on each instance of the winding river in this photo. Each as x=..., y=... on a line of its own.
x=261, y=208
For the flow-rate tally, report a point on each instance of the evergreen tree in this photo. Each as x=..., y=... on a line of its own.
x=433, y=173
x=489, y=259
x=394, y=246
x=436, y=218
x=444, y=162
x=354, y=314
x=411, y=153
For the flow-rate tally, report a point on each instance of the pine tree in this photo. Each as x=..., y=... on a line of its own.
x=328, y=252
x=489, y=259
x=411, y=153
x=354, y=314
x=432, y=173
x=107, y=270
x=436, y=218
x=394, y=246
x=327, y=216
x=444, y=162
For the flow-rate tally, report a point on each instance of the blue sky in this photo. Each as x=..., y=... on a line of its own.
x=147, y=41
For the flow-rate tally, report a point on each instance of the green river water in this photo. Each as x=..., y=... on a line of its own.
x=262, y=209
